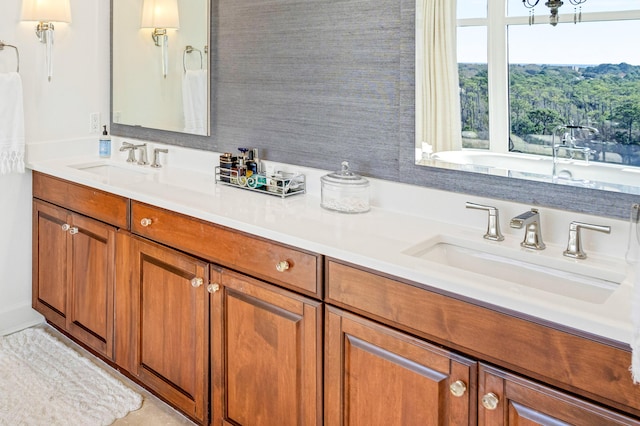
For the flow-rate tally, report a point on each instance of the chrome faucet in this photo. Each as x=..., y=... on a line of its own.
x=574, y=245
x=156, y=157
x=568, y=143
x=126, y=146
x=533, y=231
x=493, y=225
x=142, y=158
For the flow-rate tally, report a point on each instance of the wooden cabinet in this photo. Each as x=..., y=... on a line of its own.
x=73, y=274
x=265, y=353
x=375, y=375
x=507, y=399
x=166, y=340
x=580, y=365
x=234, y=329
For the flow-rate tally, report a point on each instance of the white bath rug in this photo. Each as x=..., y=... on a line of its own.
x=45, y=382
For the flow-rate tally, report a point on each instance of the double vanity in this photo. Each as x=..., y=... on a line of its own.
x=240, y=308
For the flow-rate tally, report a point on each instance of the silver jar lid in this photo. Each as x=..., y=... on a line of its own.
x=345, y=177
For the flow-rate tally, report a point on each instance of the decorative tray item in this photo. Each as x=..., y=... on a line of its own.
x=281, y=184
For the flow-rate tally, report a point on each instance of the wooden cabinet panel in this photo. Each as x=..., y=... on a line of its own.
x=254, y=256
x=377, y=376
x=90, y=317
x=266, y=352
x=523, y=402
x=73, y=274
x=103, y=206
x=593, y=369
x=170, y=325
x=51, y=271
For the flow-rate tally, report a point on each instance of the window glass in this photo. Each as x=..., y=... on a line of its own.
x=582, y=74
x=471, y=9
x=474, y=95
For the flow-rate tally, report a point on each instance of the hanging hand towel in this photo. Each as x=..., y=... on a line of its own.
x=635, y=319
x=194, y=100
x=11, y=124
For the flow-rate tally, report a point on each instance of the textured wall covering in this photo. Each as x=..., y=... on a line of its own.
x=310, y=82
x=314, y=82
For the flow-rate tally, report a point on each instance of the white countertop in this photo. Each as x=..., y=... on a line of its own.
x=378, y=239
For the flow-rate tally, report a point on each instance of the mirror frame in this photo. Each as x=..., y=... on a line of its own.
x=581, y=200
x=187, y=140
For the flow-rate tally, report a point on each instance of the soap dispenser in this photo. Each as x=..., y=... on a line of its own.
x=105, y=144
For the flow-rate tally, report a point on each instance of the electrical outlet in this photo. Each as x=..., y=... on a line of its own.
x=94, y=122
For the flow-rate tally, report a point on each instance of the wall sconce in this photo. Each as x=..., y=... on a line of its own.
x=553, y=6
x=46, y=12
x=160, y=15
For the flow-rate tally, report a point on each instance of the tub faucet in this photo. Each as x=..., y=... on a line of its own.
x=533, y=232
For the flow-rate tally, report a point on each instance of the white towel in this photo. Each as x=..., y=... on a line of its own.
x=635, y=320
x=11, y=124
x=194, y=101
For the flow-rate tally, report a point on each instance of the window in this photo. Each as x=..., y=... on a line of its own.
x=519, y=82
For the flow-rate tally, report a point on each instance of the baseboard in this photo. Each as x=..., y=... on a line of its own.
x=17, y=318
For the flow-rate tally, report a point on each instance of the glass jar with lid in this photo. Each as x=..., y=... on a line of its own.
x=345, y=191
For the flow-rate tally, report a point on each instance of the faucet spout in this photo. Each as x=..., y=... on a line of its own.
x=533, y=232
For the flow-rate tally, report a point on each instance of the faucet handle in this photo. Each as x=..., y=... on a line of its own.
x=574, y=245
x=156, y=157
x=493, y=225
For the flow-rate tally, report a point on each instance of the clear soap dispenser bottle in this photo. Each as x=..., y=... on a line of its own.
x=105, y=144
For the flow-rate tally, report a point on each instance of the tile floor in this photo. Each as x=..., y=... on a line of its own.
x=153, y=412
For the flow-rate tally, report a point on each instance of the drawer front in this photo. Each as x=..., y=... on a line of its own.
x=255, y=256
x=100, y=205
x=574, y=362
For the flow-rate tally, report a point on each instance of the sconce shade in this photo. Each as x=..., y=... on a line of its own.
x=160, y=14
x=46, y=10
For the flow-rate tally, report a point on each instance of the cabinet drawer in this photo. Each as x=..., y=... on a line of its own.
x=251, y=255
x=100, y=205
x=574, y=361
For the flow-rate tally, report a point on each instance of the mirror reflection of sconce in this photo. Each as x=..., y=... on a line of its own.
x=161, y=15
x=46, y=12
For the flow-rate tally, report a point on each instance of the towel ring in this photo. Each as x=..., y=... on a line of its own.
x=3, y=45
x=189, y=49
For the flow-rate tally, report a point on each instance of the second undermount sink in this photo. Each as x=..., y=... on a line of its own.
x=111, y=170
x=575, y=279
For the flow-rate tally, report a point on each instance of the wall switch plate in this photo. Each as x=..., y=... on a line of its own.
x=94, y=122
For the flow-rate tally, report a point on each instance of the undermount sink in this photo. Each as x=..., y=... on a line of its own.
x=575, y=279
x=108, y=169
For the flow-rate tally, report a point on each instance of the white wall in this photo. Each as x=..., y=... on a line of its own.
x=54, y=111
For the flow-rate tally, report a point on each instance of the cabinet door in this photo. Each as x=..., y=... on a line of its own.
x=51, y=270
x=90, y=291
x=506, y=399
x=377, y=376
x=170, y=316
x=266, y=350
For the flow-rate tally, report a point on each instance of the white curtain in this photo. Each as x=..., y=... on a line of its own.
x=438, y=104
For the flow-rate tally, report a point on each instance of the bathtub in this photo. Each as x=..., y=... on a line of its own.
x=612, y=177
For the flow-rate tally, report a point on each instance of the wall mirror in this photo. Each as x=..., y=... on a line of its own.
x=160, y=65
x=535, y=90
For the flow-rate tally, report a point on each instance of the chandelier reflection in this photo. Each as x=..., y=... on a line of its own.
x=553, y=6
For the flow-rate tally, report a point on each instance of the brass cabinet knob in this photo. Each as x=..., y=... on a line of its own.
x=66, y=227
x=73, y=230
x=213, y=288
x=490, y=401
x=458, y=388
x=197, y=282
x=145, y=221
x=282, y=266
